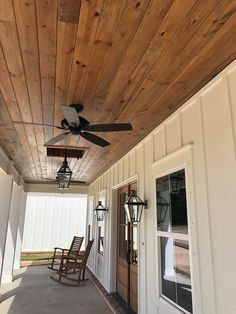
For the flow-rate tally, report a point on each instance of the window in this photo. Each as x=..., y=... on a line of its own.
x=101, y=225
x=100, y=238
x=173, y=239
x=90, y=231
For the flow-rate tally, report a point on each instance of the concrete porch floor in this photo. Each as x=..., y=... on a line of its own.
x=33, y=292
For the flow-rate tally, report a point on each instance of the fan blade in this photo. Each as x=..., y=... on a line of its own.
x=39, y=124
x=113, y=127
x=57, y=138
x=71, y=115
x=94, y=139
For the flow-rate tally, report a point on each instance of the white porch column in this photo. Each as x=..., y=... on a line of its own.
x=7, y=270
x=20, y=230
x=5, y=197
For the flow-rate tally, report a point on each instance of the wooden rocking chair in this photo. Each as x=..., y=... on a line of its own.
x=78, y=266
x=72, y=252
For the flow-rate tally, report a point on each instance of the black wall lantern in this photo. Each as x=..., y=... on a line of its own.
x=134, y=207
x=100, y=211
x=64, y=175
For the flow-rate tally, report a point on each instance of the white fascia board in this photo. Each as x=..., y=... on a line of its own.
x=53, y=188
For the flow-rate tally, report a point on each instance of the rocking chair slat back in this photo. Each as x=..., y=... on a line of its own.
x=86, y=252
x=75, y=246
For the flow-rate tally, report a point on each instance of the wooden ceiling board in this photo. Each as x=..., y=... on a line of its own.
x=125, y=61
x=109, y=22
x=86, y=32
x=132, y=16
x=68, y=11
x=195, y=71
x=9, y=112
x=46, y=12
x=28, y=33
x=137, y=67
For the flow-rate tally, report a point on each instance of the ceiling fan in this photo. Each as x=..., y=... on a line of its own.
x=74, y=124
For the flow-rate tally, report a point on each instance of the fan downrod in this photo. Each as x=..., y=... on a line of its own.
x=78, y=107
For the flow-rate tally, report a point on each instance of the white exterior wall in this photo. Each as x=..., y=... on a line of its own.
x=53, y=220
x=7, y=272
x=206, y=124
x=20, y=230
x=5, y=196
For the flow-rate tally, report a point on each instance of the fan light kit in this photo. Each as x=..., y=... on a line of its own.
x=74, y=124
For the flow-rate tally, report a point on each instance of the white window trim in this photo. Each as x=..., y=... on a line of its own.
x=180, y=159
x=91, y=199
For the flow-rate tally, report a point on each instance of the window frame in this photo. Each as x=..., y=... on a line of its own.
x=180, y=159
x=174, y=236
x=90, y=219
x=101, y=197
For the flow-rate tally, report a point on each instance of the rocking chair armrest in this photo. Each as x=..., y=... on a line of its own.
x=61, y=249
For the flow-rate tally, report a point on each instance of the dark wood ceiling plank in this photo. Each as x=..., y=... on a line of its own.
x=144, y=86
x=144, y=46
x=47, y=31
x=76, y=169
x=68, y=11
x=108, y=24
x=128, y=82
x=12, y=138
x=46, y=12
x=210, y=59
x=28, y=38
x=66, y=36
x=132, y=61
x=193, y=39
x=12, y=53
x=90, y=14
x=177, y=94
x=11, y=112
x=109, y=20
x=222, y=13
x=81, y=142
x=82, y=163
x=25, y=13
x=132, y=17
x=7, y=90
x=13, y=152
x=135, y=109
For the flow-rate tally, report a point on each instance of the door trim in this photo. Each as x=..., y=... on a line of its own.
x=142, y=297
x=129, y=278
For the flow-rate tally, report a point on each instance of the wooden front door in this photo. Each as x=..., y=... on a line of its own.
x=127, y=255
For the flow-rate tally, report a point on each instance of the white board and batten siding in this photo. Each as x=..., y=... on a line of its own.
x=206, y=123
x=52, y=220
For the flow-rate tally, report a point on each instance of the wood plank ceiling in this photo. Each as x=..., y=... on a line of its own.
x=125, y=61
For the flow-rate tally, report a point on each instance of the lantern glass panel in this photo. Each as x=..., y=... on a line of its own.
x=127, y=210
x=100, y=214
x=134, y=208
x=63, y=180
